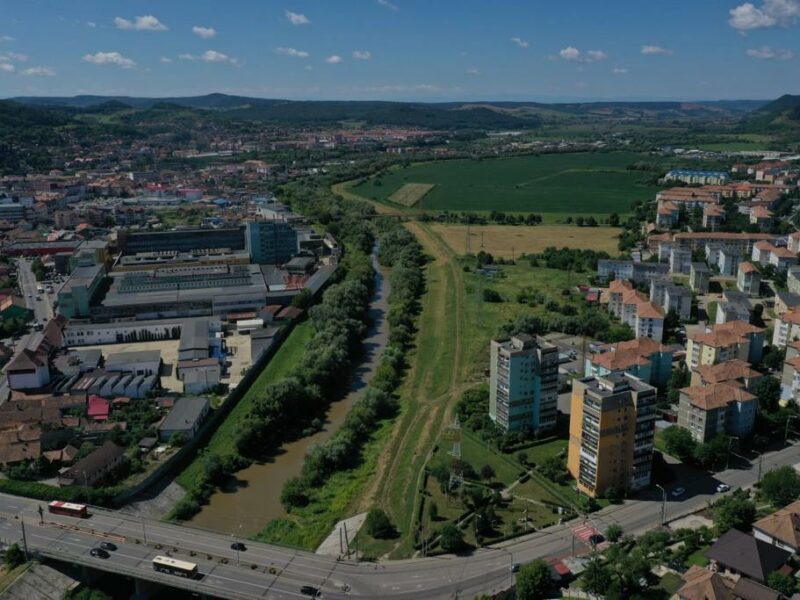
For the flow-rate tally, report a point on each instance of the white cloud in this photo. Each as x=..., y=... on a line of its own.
x=204, y=32
x=520, y=42
x=296, y=18
x=211, y=56
x=419, y=87
x=771, y=13
x=38, y=72
x=657, y=50
x=110, y=58
x=292, y=52
x=387, y=4
x=6, y=38
x=165, y=59
x=473, y=71
x=13, y=56
x=7, y=67
x=362, y=54
x=619, y=71
x=334, y=59
x=143, y=23
x=769, y=53
x=571, y=53
x=91, y=24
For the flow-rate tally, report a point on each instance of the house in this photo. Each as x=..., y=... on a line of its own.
x=14, y=307
x=704, y=584
x=644, y=358
x=734, y=372
x=740, y=554
x=97, y=408
x=781, y=528
x=199, y=375
x=65, y=455
x=28, y=370
x=699, y=276
x=737, y=339
x=718, y=408
x=185, y=418
x=748, y=279
x=95, y=466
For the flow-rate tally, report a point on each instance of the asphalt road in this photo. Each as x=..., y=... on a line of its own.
x=484, y=571
x=42, y=309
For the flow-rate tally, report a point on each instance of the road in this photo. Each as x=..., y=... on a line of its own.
x=42, y=309
x=447, y=577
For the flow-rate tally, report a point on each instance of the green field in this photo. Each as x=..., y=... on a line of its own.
x=576, y=183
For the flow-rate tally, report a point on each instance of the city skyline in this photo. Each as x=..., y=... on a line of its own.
x=404, y=50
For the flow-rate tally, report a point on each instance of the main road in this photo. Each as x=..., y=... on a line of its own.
x=267, y=571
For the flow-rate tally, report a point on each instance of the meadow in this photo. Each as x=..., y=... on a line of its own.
x=570, y=184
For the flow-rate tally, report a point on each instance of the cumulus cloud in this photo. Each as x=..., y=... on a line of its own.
x=473, y=71
x=292, y=52
x=771, y=13
x=211, y=56
x=38, y=72
x=6, y=38
x=619, y=71
x=110, y=58
x=166, y=59
x=7, y=67
x=91, y=24
x=143, y=23
x=571, y=53
x=388, y=5
x=519, y=42
x=362, y=54
x=15, y=56
x=204, y=32
x=296, y=18
x=658, y=50
x=769, y=53
x=334, y=59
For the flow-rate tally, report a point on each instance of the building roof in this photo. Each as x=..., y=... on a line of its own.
x=194, y=335
x=98, y=408
x=727, y=371
x=782, y=252
x=764, y=245
x=747, y=267
x=747, y=555
x=184, y=414
x=96, y=461
x=715, y=395
x=702, y=584
x=747, y=589
x=136, y=356
x=761, y=212
x=726, y=334
x=623, y=355
x=783, y=525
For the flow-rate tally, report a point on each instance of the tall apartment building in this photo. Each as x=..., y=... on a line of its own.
x=523, y=390
x=611, y=431
x=728, y=341
x=271, y=242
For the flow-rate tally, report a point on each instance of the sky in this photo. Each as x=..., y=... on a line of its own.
x=426, y=50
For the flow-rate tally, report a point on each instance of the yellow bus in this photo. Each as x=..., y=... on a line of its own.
x=181, y=568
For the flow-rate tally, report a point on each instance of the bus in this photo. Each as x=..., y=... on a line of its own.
x=181, y=568
x=69, y=509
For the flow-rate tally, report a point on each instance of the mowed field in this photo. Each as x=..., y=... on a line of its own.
x=509, y=241
x=595, y=183
x=411, y=193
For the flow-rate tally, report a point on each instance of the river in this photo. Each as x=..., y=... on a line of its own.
x=252, y=499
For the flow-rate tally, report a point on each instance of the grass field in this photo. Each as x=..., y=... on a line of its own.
x=284, y=360
x=411, y=193
x=509, y=241
x=576, y=184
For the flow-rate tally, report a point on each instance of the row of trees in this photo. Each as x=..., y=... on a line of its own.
x=400, y=251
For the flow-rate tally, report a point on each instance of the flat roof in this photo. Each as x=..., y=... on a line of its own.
x=117, y=358
x=194, y=335
x=81, y=276
x=184, y=414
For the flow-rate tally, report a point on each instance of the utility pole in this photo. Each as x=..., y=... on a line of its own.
x=760, y=465
x=24, y=540
x=663, y=504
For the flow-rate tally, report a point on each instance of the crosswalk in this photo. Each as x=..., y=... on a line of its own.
x=584, y=532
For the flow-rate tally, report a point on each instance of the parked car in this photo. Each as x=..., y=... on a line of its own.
x=515, y=567
x=723, y=487
x=308, y=590
x=678, y=492
x=239, y=546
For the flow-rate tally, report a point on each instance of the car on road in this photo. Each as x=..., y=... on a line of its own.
x=596, y=539
x=678, y=492
x=515, y=567
x=108, y=546
x=723, y=487
x=238, y=546
x=99, y=553
x=310, y=590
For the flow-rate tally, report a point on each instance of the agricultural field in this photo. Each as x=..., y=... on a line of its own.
x=566, y=184
x=509, y=241
x=411, y=193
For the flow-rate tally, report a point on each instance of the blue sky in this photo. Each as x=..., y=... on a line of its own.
x=432, y=50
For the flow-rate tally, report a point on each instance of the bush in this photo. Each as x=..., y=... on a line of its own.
x=451, y=538
x=13, y=556
x=534, y=581
x=781, y=486
x=487, y=472
x=490, y=295
x=378, y=525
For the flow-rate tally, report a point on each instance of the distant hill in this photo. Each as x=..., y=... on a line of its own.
x=779, y=114
x=444, y=115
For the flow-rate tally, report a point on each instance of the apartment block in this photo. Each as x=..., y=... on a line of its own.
x=787, y=328
x=718, y=408
x=644, y=358
x=699, y=276
x=728, y=341
x=635, y=309
x=612, y=425
x=523, y=391
x=748, y=279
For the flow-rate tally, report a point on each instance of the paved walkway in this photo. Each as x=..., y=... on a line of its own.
x=336, y=543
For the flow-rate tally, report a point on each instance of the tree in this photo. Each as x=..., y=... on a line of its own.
x=294, y=493
x=534, y=581
x=679, y=378
x=596, y=578
x=768, y=392
x=378, y=525
x=451, y=539
x=433, y=512
x=781, y=582
x=679, y=443
x=781, y=486
x=735, y=511
x=713, y=453
x=13, y=556
x=614, y=532
x=177, y=439
x=522, y=457
x=773, y=358
x=487, y=472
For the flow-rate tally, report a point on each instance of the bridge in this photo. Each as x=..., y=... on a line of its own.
x=276, y=572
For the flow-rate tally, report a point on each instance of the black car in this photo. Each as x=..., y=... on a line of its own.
x=99, y=553
x=309, y=590
x=596, y=539
x=108, y=546
x=238, y=546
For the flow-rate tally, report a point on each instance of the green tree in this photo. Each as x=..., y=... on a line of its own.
x=768, y=392
x=177, y=439
x=781, y=582
x=773, y=358
x=378, y=524
x=596, y=577
x=294, y=494
x=713, y=453
x=781, y=486
x=451, y=539
x=679, y=378
x=534, y=581
x=433, y=512
x=678, y=442
x=487, y=472
x=13, y=556
x=614, y=532
x=735, y=511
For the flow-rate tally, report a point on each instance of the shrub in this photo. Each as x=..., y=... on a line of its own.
x=378, y=525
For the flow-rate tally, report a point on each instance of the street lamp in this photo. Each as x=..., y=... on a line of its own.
x=731, y=452
x=663, y=503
